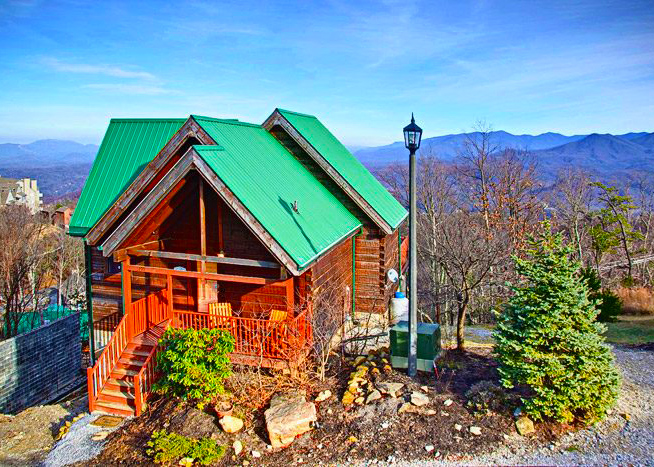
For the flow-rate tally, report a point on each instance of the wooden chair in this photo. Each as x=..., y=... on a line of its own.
x=221, y=314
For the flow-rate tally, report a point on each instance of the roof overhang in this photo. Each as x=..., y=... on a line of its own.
x=191, y=160
x=276, y=118
x=190, y=129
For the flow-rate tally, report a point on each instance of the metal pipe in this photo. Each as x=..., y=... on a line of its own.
x=413, y=270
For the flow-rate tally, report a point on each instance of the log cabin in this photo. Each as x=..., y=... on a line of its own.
x=217, y=223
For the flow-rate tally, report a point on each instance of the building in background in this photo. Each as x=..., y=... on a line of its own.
x=61, y=217
x=22, y=191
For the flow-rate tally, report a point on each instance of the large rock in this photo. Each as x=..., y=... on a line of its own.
x=288, y=417
x=231, y=424
x=525, y=426
x=419, y=399
x=392, y=389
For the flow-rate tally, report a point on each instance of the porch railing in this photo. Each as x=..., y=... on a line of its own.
x=140, y=316
x=255, y=337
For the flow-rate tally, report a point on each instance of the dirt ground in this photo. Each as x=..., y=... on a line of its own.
x=352, y=434
x=26, y=438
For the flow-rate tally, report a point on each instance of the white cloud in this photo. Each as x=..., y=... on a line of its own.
x=130, y=89
x=107, y=70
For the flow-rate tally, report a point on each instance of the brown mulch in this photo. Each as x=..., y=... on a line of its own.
x=367, y=432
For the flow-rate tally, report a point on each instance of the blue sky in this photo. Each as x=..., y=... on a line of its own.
x=362, y=67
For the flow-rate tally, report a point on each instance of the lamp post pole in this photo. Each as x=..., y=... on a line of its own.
x=412, y=137
x=413, y=268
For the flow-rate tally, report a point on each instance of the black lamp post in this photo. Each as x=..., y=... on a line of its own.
x=412, y=136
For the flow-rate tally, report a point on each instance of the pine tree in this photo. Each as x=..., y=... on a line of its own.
x=547, y=338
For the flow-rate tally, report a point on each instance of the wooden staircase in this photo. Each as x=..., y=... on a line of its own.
x=118, y=396
x=121, y=380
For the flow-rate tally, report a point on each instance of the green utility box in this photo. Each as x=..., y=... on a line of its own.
x=429, y=345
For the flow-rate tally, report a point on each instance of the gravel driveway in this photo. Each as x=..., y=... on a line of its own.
x=611, y=442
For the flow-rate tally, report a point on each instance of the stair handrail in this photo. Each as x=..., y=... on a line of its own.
x=146, y=377
x=98, y=374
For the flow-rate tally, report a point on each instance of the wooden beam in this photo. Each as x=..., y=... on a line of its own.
x=290, y=294
x=206, y=275
x=209, y=259
x=221, y=246
x=203, y=238
x=120, y=255
x=127, y=286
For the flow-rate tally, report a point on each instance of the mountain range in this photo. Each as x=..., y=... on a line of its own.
x=61, y=166
x=606, y=156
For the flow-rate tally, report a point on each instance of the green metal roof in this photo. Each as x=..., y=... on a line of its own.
x=268, y=179
x=126, y=149
x=348, y=166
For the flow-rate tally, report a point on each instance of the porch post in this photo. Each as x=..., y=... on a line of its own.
x=290, y=296
x=203, y=240
x=169, y=285
x=127, y=286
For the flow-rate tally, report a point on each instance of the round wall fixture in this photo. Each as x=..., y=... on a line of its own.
x=392, y=275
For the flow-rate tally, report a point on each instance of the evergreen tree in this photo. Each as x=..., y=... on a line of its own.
x=547, y=338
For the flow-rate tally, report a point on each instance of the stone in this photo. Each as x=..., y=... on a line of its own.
x=407, y=407
x=448, y=402
x=256, y=454
x=445, y=414
x=457, y=427
x=419, y=399
x=246, y=463
x=391, y=389
x=100, y=435
x=287, y=397
x=231, y=424
x=385, y=425
x=324, y=395
x=424, y=388
x=330, y=411
x=475, y=430
x=107, y=421
x=525, y=426
x=429, y=448
x=359, y=400
x=348, y=398
x=431, y=412
x=359, y=360
x=373, y=396
x=238, y=447
x=287, y=420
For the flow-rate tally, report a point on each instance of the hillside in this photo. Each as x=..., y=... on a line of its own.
x=46, y=153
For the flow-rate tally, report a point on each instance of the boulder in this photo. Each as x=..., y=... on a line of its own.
x=373, y=396
x=525, y=426
x=324, y=395
x=392, y=389
x=287, y=418
x=238, y=447
x=419, y=399
x=231, y=424
x=475, y=430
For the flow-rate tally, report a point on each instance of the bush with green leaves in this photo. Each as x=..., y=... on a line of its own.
x=194, y=363
x=167, y=448
x=547, y=338
x=609, y=304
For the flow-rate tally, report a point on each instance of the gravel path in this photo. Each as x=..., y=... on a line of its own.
x=78, y=445
x=614, y=441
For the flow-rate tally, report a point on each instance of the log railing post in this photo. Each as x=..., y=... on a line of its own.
x=90, y=385
x=138, y=397
x=169, y=285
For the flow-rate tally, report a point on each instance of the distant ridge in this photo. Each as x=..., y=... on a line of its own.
x=597, y=153
x=46, y=153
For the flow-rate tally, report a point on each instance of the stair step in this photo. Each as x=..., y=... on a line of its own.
x=116, y=397
x=120, y=382
x=115, y=393
x=129, y=364
x=123, y=372
x=140, y=354
x=114, y=408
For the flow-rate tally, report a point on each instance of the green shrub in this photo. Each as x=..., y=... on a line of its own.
x=607, y=302
x=548, y=340
x=194, y=364
x=167, y=448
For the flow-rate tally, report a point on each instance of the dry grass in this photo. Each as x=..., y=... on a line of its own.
x=636, y=300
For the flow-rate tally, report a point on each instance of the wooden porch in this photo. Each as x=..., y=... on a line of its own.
x=121, y=380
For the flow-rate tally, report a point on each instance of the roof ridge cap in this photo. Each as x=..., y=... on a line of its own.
x=226, y=121
x=296, y=113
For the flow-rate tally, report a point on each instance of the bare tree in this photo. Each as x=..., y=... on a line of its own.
x=22, y=238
